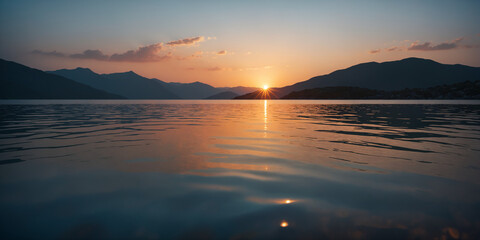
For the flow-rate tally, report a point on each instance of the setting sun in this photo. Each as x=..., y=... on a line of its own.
x=265, y=87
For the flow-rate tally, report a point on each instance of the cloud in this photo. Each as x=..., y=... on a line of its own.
x=427, y=46
x=223, y=52
x=186, y=41
x=471, y=46
x=197, y=54
x=394, y=49
x=91, y=54
x=52, y=53
x=214, y=69
x=148, y=53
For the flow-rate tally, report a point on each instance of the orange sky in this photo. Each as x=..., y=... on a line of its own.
x=252, y=43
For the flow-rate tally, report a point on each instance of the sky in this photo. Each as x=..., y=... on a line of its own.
x=235, y=43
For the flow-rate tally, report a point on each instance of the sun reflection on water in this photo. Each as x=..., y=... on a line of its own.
x=265, y=117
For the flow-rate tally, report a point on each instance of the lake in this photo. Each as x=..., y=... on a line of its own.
x=250, y=169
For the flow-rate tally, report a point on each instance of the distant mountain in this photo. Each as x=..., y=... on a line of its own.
x=195, y=90
x=239, y=90
x=134, y=86
x=395, y=75
x=21, y=82
x=223, y=95
x=334, y=93
x=463, y=90
x=128, y=84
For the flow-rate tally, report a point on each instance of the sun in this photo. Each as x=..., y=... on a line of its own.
x=265, y=87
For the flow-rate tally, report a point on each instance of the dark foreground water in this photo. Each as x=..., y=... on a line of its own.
x=239, y=170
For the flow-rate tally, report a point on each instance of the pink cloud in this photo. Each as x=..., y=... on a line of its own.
x=428, y=46
x=186, y=41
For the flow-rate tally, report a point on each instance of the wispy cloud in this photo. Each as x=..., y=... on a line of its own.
x=428, y=46
x=149, y=53
x=186, y=41
x=197, y=54
x=52, y=53
x=391, y=49
x=214, y=69
x=91, y=54
x=223, y=52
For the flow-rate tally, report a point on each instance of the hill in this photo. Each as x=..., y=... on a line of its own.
x=394, y=75
x=134, y=86
x=463, y=90
x=21, y=82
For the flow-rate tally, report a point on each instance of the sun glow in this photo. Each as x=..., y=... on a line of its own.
x=265, y=87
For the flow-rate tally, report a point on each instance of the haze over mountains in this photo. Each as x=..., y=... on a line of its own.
x=21, y=82
x=134, y=86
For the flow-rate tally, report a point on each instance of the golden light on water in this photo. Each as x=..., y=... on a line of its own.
x=265, y=119
x=284, y=224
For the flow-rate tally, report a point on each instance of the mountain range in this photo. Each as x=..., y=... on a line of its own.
x=462, y=90
x=20, y=82
x=134, y=86
x=384, y=79
x=387, y=76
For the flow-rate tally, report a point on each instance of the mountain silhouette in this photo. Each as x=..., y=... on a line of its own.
x=223, y=95
x=394, y=75
x=195, y=90
x=239, y=90
x=463, y=90
x=128, y=84
x=134, y=86
x=21, y=82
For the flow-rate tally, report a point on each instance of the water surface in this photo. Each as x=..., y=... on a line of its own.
x=240, y=169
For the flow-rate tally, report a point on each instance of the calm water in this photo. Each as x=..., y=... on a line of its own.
x=239, y=169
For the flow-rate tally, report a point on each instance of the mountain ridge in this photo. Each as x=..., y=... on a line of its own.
x=18, y=81
x=169, y=90
x=388, y=76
